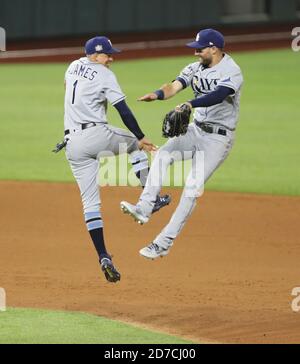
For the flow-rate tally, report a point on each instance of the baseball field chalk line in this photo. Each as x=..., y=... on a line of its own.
x=2, y=299
x=142, y=45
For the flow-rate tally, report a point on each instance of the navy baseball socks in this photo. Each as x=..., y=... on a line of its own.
x=94, y=225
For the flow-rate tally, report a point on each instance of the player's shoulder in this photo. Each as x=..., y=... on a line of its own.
x=190, y=69
x=230, y=64
x=105, y=71
x=193, y=66
x=73, y=63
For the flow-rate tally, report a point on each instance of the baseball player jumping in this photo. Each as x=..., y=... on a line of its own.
x=89, y=84
x=216, y=81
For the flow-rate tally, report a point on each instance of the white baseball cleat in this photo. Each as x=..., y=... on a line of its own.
x=133, y=211
x=153, y=251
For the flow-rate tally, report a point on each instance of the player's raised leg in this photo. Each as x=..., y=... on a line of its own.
x=174, y=150
x=85, y=174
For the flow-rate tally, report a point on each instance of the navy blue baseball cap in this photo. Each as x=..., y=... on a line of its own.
x=208, y=38
x=100, y=45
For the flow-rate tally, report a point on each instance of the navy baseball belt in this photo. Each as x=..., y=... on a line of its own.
x=212, y=128
x=61, y=145
x=83, y=126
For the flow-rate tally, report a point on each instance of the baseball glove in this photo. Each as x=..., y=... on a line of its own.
x=176, y=122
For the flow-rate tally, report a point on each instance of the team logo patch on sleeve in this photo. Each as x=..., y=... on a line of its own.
x=187, y=72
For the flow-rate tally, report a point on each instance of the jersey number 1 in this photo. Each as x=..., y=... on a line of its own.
x=74, y=90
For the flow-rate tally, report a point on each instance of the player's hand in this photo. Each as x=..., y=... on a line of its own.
x=148, y=97
x=147, y=145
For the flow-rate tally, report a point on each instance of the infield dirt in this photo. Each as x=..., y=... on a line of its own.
x=228, y=277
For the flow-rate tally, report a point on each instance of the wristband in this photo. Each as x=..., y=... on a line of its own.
x=160, y=94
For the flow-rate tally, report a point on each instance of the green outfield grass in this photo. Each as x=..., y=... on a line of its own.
x=28, y=326
x=266, y=155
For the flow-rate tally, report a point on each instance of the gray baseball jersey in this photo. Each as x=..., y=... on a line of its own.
x=88, y=87
x=204, y=80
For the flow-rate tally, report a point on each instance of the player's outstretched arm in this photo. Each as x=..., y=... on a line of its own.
x=167, y=91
